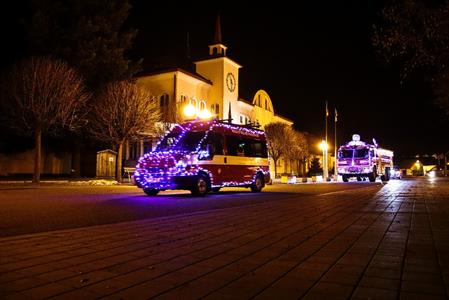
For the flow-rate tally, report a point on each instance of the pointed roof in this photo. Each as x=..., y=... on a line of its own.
x=217, y=37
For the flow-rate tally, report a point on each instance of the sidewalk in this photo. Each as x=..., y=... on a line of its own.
x=388, y=245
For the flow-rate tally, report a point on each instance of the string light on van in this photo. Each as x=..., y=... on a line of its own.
x=157, y=168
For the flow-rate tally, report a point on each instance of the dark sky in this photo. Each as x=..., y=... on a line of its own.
x=301, y=56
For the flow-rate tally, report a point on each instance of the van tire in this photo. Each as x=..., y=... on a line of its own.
x=151, y=192
x=257, y=184
x=200, y=186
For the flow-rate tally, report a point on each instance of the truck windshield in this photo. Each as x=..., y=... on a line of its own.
x=188, y=142
x=361, y=153
x=345, y=154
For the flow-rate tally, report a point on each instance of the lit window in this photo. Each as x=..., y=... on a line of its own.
x=193, y=102
x=266, y=104
x=202, y=105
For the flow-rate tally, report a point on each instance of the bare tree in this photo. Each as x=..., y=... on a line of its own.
x=43, y=95
x=279, y=136
x=299, y=150
x=414, y=35
x=123, y=111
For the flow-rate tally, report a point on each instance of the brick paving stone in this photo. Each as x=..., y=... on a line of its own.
x=373, y=293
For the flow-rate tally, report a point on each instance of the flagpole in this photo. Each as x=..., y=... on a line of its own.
x=335, y=146
x=325, y=162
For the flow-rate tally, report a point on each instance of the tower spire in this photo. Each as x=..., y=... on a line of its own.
x=217, y=38
x=217, y=48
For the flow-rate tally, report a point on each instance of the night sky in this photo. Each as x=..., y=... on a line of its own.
x=302, y=57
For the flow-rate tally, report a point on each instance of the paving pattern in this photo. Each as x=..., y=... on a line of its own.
x=388, y=243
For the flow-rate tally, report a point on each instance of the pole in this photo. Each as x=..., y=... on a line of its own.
x=335, y=145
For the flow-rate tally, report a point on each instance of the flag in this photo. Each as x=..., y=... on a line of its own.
x=336, y=115
x=327, y=111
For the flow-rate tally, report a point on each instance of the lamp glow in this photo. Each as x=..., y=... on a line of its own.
x=189, y=110
x=204, y=114
x=323, y=145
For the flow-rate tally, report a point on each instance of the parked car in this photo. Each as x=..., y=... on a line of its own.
x=436, y=172
x=395, y=173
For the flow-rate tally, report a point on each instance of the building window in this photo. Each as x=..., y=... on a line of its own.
x=266, y=104
x=258, y=100
x=202, y=105
x=193, y=102
x=215, y=109
x=241, y=119
x=163, y=100
x=183, y=99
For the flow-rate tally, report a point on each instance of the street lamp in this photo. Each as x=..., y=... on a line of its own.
x=189, y=111
x=324, y=146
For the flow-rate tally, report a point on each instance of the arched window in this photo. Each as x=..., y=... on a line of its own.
x=215, y=108
x=266, y=104
x=183, y=99
x=202, y=105
x=163, y=100
x=193, y=102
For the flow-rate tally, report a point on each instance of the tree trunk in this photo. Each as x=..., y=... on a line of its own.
x=37, y=154
x=275, y=167
x=76, y=158
x=304, y=171
x=118, y=175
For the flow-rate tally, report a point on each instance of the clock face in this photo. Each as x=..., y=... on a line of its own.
x=230, y=82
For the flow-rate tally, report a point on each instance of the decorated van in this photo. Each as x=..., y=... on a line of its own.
x=204, y=156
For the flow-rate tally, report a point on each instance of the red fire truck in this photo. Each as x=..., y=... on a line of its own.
x=362, y=160
x=203, y=156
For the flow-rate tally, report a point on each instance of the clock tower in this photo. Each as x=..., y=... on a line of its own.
x=224, y=74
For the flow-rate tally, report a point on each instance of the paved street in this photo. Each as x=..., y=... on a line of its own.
x=28, y=209
x=330, y=241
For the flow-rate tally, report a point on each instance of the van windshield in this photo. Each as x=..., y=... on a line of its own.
x=188, y=142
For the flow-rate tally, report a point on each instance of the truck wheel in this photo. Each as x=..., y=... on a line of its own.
x=345, y=178
x=257, y=184
x=151, y=192
x=372, y=177
x=387, y=174
x=359, y=178
x=200, y=186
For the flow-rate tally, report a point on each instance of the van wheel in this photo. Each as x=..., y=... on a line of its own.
x=151, y=192
x=257, y=184
x=200, y=186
